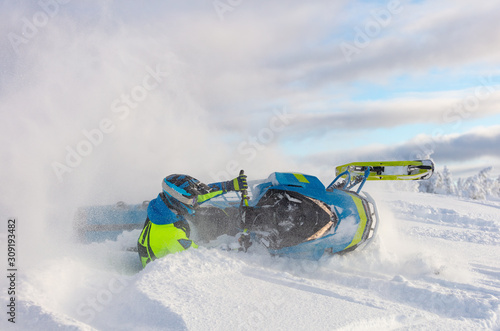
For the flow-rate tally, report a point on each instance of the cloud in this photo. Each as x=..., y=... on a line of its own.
x=225, y=79
x=451, y=107
x=288, y=54
x=423, y=36
x=477, y=143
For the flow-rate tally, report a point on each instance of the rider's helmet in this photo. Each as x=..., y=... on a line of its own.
x=185, y=189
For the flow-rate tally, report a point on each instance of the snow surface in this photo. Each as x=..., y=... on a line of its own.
x=434, y=265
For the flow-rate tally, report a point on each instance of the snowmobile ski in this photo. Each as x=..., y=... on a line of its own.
x=388, y=170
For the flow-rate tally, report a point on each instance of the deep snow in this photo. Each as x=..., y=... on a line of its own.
x=434, y=265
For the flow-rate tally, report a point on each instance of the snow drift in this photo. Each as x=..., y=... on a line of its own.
x=434, y=265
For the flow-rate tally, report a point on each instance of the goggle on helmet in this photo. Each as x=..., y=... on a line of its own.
x=184, y=188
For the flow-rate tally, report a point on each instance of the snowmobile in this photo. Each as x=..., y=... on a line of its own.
x=291, y=214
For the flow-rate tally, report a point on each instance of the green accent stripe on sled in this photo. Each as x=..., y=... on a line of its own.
x=301, y=178
x=362, y=223
x=386, y=163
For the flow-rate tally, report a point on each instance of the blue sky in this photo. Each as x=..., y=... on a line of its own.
x=265, y=86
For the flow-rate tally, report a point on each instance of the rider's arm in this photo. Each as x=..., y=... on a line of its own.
x=237, y=184
x=214, y=193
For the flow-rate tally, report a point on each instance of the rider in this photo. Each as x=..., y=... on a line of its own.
x=166, y=229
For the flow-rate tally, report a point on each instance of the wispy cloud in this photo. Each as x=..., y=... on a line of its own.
x=444, y=108
x=476, y=143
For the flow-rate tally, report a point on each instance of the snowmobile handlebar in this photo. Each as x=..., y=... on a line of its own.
x=244, y=193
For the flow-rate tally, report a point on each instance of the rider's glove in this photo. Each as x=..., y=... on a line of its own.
x=237, y=184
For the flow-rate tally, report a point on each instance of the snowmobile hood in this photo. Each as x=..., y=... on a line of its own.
x=286, y=180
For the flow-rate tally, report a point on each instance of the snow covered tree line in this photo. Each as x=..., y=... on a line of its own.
x=477, y=187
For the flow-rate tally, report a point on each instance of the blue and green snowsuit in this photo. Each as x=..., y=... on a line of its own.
x=166, y=230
